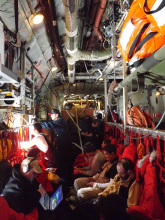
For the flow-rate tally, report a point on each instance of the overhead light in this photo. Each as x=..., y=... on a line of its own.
x=38, y=18
x=72, y=94
x=101, y=79
x=157, y=93
x=54, y=68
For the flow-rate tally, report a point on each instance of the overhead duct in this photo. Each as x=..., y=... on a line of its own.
x=96, y=77
x=99, y=17
x=71, y=8
x=152, y=61
x=90, y=55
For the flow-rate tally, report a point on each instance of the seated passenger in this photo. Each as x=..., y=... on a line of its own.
x=5, y=173
x=112, y=207
x=20, y=194
x=42, y=178
x=105, y=142
x=91, y=133
x=124, y=184
x=89, y=188
x=95, y=163
x=42, y=142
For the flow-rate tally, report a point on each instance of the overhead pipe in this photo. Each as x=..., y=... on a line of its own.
x=71, y=8
x=90, y=55
x=99, y=17
x=152, y=61
x=52, y=9
x=96, y=77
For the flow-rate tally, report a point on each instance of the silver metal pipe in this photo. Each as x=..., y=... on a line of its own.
x=96, y=77
x=153, y=60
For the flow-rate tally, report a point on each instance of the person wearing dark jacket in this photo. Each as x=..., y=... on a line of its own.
x=20, y=194
x=62, y=143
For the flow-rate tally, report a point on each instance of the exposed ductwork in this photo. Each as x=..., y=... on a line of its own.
x=71, y=8
x=152, y=61
x=89, y=55
x=96, y=77
x=98, y=18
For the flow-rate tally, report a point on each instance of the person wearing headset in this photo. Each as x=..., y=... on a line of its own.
x=20, y=192
x=124, y=184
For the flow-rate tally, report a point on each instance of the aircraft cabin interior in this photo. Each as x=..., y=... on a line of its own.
x=97, y=64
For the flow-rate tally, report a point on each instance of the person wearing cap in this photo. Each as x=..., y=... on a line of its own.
x=62, y=144
x=96, y=161
x=42, y=178
x=20, y=193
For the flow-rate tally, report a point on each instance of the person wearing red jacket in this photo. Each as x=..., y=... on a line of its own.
x=6, y=213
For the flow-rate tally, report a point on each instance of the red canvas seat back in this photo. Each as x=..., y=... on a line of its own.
x=150, y=205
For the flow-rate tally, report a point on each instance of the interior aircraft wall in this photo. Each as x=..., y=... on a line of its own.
x=141, y=99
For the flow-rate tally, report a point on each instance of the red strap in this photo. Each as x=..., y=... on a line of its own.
x=151, y=142
x=2, y=146
x=121, y=135
x=7, y=147
x=158, y=154
x=131, y=135
x=139, y=136
x=115, y=133
x=164, y=151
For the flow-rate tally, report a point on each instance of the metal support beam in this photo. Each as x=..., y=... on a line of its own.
x=125, y=99
x=105, y=95
x=6, y=75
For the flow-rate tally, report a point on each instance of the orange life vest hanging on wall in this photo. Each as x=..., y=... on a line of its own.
x=135, y=24
x=155, y=11
x=137, y=117
x=146, y=44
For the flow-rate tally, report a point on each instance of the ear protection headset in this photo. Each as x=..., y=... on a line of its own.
x=26, y=167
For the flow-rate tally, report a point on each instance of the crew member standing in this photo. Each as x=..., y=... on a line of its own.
x=62, y=143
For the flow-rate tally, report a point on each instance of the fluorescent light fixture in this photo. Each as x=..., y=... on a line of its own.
x=157, y=93
x=72, y=94
x=101, y=79
x=38, y=19
x=54, y=68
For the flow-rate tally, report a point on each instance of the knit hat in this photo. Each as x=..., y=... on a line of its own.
x=89, y=147
x=32, y=163
x=33, y=152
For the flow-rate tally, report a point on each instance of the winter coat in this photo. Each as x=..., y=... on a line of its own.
x=6, y=213
x=20, y=193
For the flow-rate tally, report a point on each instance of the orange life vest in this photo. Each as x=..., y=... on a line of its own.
x=155, y=11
